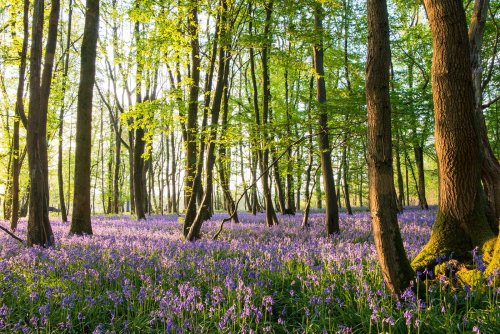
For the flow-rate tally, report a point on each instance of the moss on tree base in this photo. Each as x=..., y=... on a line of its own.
x=452, y=238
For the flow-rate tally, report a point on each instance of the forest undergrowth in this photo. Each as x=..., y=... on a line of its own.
x=142, y=277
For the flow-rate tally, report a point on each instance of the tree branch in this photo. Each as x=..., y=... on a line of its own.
x=12, y=235
x=484, y=106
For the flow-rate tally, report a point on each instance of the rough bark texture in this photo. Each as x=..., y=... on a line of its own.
x=461, y=221
x=332, y=210
x=39, y=229
x=490, y=169
x=392, y=257
x=80, y=220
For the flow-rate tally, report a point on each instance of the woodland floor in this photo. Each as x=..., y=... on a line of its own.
x=142, y=277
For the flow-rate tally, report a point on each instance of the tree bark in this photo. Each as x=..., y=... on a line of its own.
x=418, y=150
x=280, y=191
x=225, y=163
x=401, y=194
x=461, y=222
x=192, y=116
x=332, y=210
x=39, y=229
x=80, y=220
x=490, y=169
x=139, y=143
x=392, y=257
x=197, y=188
x=16, y=162
x=263, y=152
x=345, y=181
x=60, y=176
x=222, y=80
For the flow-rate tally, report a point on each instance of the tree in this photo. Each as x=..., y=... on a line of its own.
x=80, y=222
x=261, y=120
x=490, y=169
x=461, y=222
x=332, y=210
x=39, y=229
x=20, y=115
x=65, y=70
x=392, y=257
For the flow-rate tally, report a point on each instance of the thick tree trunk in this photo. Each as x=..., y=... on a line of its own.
x=80, y=220
x=332, y=213
x=392, y=257
x=490, y=169
x=39, y=229
x=461, y=222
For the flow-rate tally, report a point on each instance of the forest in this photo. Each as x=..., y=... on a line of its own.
x=229, y=166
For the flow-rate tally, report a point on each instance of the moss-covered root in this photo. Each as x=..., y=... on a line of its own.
x=450, y=240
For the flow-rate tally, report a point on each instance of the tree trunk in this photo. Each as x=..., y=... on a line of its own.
x=290, y=200
x=461, y=222
x=139, y=143
x=197, y=187
x=345, y=181
x=225, y=163
x=80, y=220
x=175, y=204
x=392, y=257
x=490, y=169
x=401, y=194
x=332, y=210
x=116, y=173
x=319, y=193
x=39, y=229
x=194, y=227
x=418, y=150
x=263, y=152
x=280, y=191
x=60, y=177
x=16, y=162
x=192, y=116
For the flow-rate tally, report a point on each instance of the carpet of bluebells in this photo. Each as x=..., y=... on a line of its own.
x=142, y=277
